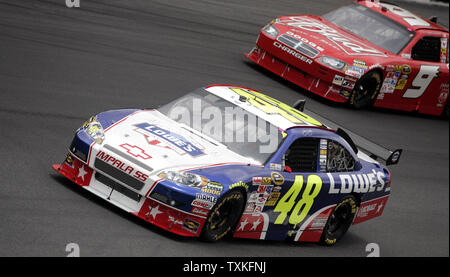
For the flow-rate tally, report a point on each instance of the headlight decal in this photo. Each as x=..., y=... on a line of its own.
x=94, y=129
x=332, y=62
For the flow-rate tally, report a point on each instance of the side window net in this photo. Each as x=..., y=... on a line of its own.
x=338, y=158
x=302, y=155
x=427, y=49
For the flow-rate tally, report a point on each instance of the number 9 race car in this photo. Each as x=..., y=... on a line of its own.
x=366, y=53
x=231, y=161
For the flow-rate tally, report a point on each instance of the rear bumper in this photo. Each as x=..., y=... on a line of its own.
x=151, y=210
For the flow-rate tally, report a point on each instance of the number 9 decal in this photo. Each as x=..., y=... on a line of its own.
x=423, y=79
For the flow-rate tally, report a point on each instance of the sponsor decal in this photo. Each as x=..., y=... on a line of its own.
x=69, y=159
x=275, y=166
x=402, y=82
x=204, y=201
x=358, y=183
x=239, y=184
x=348, y=84
x=205, y=197
x=277, y=178
x=318, y=223
x=443, y=95
x=337, y=80
x=323, y=154
x=370, y=209
x=262, y=189
x=273, y=198
x=212, y=187
x=202, y=204
x=211, y=191
x=347, y=44
x=121, y=166
x=345, y=93
x=175, y=140
x=256, y=181
x=199, y=211
x=191, y=225
x=154, y=141
x=444, y=47
x=406, y=55
x=390, y=82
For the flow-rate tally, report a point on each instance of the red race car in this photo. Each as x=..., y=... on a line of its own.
x=365, y=53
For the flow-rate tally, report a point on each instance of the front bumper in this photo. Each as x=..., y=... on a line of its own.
x=305, y=72
x=143, y=206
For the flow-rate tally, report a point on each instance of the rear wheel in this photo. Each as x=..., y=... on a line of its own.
x=366, y=90
x=446, y=111
x=339, y=221
x=224, y=216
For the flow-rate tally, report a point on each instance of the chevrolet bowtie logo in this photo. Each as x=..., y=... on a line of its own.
x=135, y=151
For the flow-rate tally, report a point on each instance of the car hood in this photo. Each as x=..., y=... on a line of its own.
x=325, y=38
x=154, y=142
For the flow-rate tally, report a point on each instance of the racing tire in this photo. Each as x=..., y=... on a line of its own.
x=224, y=216
x=446, y=112
x=339, y=221
x=366, y=90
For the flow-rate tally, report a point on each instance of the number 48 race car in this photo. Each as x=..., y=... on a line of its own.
x=366, y=53
x=231, y=161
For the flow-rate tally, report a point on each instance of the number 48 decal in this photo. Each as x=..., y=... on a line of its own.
x=302, y=207
x=423, y=79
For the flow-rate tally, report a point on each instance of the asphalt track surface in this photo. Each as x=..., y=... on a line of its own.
x=59, y=66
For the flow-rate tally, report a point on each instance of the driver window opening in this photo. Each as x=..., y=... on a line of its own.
x=302, y=155
x=427, y=49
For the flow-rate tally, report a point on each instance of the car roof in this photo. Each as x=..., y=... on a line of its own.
x=271, y=110
x=413, y=22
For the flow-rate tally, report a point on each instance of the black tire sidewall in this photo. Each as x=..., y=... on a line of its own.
x=228, y=228
x=331, y=239
x=368, y=101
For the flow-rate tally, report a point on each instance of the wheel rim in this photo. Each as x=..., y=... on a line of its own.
x=221, y=216
x=339, y=219
x=225, y=216
x=365, y=90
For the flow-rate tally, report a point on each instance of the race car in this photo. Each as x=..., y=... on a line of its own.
x=363, y=54
x=231, y=161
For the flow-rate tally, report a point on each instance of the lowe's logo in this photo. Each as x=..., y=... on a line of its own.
x=172, y=138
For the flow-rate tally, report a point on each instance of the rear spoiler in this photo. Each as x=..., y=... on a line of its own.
x=374, y=150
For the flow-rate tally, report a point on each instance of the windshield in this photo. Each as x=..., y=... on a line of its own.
x=226, y=123
x=372, y=26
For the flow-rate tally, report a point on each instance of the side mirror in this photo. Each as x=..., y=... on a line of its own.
x=433, y=19
x=299, y=104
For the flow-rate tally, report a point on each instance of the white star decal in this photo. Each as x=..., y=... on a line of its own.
x=255, y=224
x=243, y=223
x=81, y=173
x=153, y=212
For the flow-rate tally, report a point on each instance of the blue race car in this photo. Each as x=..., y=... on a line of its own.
x=231, y=161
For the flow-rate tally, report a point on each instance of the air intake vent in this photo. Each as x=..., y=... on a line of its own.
x=118, y=174
x=298, y=45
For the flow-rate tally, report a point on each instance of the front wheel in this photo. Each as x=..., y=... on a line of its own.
x=224, y=216
x=366, y=90
x=339, y=221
